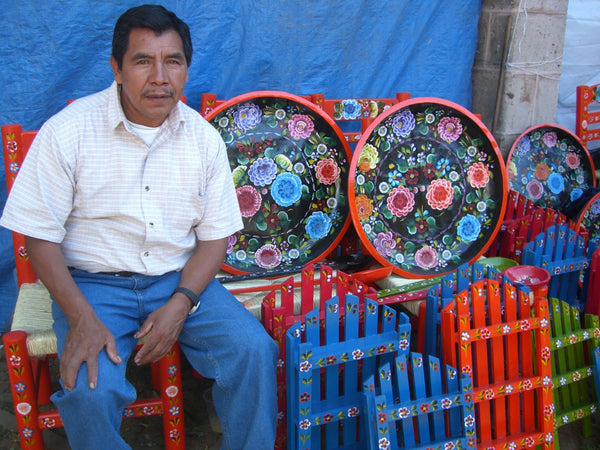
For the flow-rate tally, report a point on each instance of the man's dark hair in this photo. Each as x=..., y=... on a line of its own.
x=154, y=17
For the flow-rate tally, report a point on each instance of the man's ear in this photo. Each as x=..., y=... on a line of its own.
x=115, y=68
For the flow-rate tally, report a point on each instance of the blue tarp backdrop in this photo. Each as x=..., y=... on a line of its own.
x=54, y=51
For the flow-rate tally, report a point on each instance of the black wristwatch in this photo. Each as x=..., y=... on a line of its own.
x=189, y=294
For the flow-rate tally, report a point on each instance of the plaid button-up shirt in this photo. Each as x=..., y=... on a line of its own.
x=115, y=203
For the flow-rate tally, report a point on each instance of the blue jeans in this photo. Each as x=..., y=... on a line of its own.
x=221, y=340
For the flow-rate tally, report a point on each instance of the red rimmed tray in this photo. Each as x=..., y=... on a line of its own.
x=589, y=218
x=550, y=166
x=427, y=187
x=290, y=165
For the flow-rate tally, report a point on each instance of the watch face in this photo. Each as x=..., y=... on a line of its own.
x=290, y=164
x=427, y=187
x=550, y=166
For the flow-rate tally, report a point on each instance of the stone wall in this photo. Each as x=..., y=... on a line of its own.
x=517, y=66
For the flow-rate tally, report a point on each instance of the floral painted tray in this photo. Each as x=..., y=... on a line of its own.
x=428, y=187
x=589, y=217
x=550, y=166
x=290, y=165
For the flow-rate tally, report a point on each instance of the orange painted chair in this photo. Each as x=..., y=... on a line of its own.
x=587, y=113
x=31, y=342
x=495, y=333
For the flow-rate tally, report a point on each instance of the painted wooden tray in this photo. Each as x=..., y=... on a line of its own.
x=427, y=187
x=550, y=166
x=589, y=217
x=290, y=165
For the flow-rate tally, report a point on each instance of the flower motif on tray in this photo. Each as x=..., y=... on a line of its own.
x=428, y=189
x=290, y=171
x=550, y=167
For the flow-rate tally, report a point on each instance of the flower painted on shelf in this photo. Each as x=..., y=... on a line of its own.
x=401, y=201
x=550, y=139
x=478, y=175
x=51, y=423
x=426, y=257
x=449, y=129
x=300, y=126
x=535, y=189
x=249, y=200
x=403, y=412
x=268, y=256
x=172, y=391
x=353, y=412
x=469, y=228
x=247, y=116
x=262, y=171
x=446, y=403
x=286, y=189
x=364, y=207
x=542, y=171
x=327, y=171
x=440, y=194
x=305, y=424
x=368, y=158
x=23, y=408
x=385, y=244
x=350, y=109
x=357, y=354
x=572, y=159
x=305, y=366
x=174, y=410
x=15, y=360
x=318, y=225
x=384, y=443
x=404, y=123
x=556, y=183
x=304, y=397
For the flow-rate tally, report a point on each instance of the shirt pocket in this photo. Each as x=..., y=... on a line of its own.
x=183, y=210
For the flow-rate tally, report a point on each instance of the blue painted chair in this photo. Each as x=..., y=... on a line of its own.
x=417, y=402
x=327, y=364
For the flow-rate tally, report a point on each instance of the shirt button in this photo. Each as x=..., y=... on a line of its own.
x=147, y=188
x=146, y=253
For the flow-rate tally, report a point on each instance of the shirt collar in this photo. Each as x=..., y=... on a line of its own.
x=116, y=115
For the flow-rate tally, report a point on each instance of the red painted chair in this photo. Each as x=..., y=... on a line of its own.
x=282, y=308
x=31, y=342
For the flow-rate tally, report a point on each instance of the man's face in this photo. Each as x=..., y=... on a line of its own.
x=153, y=76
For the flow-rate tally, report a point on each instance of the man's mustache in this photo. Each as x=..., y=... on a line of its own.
x=160, y=92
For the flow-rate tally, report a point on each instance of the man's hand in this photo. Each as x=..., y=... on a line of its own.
x=85, y=340
x=87, y=335
x=161, y=329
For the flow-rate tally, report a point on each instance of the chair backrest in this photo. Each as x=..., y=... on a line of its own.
x=363, y=110
x=15, y=144
x=566, y=256
x=324, y=356
x=494, y=333
x=587, y=113
x=572, y=339
x=419, y=402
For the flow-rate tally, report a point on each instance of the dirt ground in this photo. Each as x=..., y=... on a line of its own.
x=146, y=433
